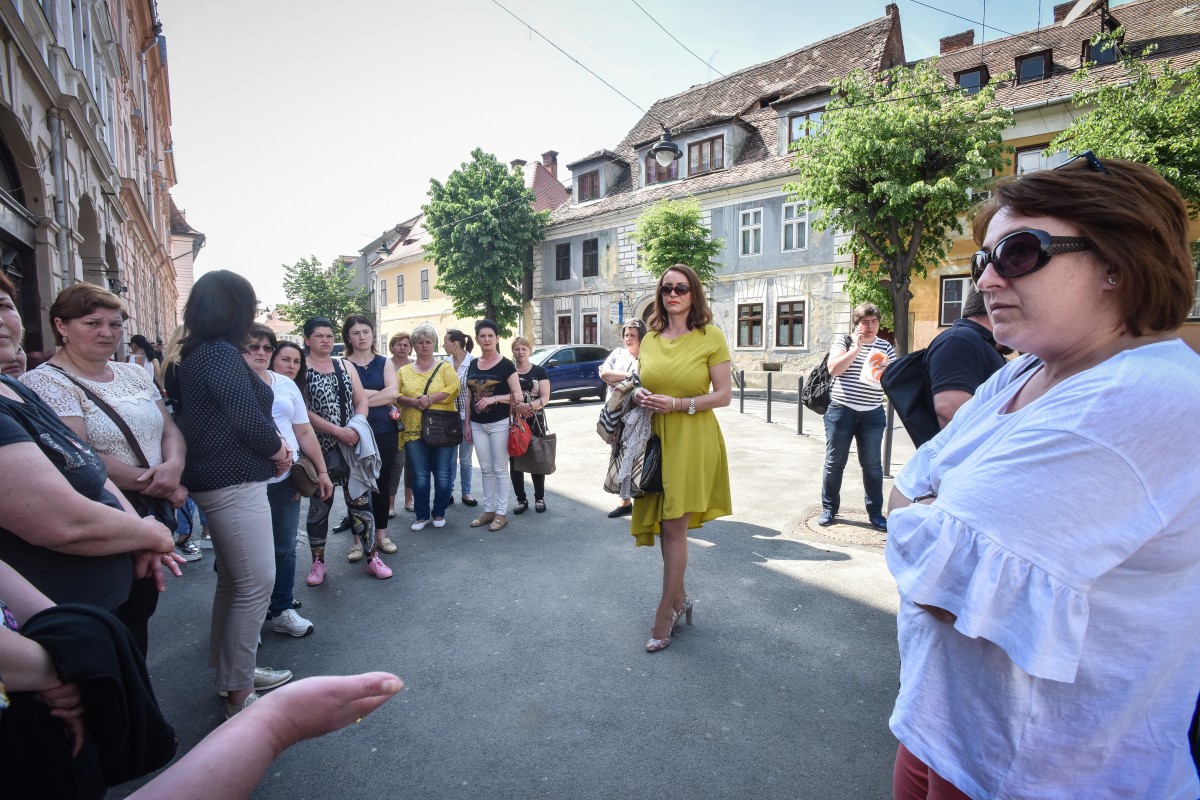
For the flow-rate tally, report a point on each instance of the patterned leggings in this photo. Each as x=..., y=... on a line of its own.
x=362, y=521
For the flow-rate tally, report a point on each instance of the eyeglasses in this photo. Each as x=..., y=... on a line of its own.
x=680, y=289
x=1088, y=156
x=1023, y=252
x=262, y=348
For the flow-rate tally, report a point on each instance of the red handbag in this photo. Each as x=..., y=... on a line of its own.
x=518, y=434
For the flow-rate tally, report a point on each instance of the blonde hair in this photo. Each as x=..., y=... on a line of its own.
x=521, y=341
x=426, y=332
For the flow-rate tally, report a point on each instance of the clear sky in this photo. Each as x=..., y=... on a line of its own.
x=307, y=128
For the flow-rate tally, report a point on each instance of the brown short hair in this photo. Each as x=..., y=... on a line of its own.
x=864, y=310
x=1137, y=222
x=80, y=300
x=399, y=337
x=259, y=331
x=699, y=314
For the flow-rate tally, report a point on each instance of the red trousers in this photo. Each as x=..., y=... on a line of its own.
x=914, y=780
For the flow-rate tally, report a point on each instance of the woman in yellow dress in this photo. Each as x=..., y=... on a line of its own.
x=681, y=357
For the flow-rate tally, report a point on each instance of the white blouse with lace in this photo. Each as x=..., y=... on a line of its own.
x=1065, y=537
x=130, y=393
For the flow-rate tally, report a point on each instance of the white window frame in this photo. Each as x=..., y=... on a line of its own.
x=737, y=331
x=794, y=223
x=1026, y=155
x=965, y=280
x=750, y=228
x=383, y=298
x=425, y=284
x=399, y=290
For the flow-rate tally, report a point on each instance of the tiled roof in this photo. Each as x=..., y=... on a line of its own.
x=548, y=193
x=179, y=223
x=1173, y=24
x=411, y=244
x=609, y=154
x=876, y=45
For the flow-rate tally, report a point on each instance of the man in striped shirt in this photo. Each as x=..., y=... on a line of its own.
x=856, y=363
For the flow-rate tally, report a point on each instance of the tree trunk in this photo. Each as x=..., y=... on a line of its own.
x=900, y=297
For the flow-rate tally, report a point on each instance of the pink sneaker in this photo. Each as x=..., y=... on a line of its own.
x=316, y=575
x=377, y=568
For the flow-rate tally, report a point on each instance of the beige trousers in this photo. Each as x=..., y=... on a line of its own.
x=239, y=520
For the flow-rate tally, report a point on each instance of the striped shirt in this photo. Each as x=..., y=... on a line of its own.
x=847, y=389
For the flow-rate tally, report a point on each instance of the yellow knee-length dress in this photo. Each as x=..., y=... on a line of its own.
x=695, y=468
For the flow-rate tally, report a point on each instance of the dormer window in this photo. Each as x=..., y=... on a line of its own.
x=1033, y=67
x=804, y=124
x=706, y=155
x=657, y=173
x=972, y=80
x=1105, y=51
x=589, y=186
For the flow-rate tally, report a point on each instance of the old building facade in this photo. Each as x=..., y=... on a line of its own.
x=86, y=161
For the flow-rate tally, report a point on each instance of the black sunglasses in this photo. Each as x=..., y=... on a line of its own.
x=1023, y=252
x=680, y=289
x=265, y=348
x=1088, y=156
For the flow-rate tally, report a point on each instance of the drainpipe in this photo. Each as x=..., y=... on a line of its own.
x=54, y=118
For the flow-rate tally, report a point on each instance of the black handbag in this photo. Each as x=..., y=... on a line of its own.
x=146, y=506
x=440, y=428
x=905, y=381
x=650, y=480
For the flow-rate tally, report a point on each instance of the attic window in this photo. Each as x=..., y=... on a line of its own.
x=1105, y=51
x=656, y=173
x=972, y=80
x=1034, y=67
x=804, y=124
x=765, y=102
x=706, y=155
x=589, y=186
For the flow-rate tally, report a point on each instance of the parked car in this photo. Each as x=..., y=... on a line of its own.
x=573, y=369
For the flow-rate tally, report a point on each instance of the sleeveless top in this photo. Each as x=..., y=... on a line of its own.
x=372, y=377
x=325, y=399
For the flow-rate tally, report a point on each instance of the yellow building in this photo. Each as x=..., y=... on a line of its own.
x=1040, y=97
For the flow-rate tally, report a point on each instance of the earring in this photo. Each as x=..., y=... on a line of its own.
x=1112, y=281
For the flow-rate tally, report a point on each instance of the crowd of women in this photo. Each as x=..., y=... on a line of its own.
x=1040, y=629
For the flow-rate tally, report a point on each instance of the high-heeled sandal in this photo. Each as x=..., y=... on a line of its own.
x=654, y=645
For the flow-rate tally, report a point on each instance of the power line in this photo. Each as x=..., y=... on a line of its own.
x=681, y=44
x=983, y=25
x=568, y=55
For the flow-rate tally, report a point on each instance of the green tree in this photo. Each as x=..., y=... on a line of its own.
x=482, y=228
x=313, y=291
x=671, y=232
x=892, y=165
x=1151, y=116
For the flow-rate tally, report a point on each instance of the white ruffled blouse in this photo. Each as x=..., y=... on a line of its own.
x=1065, y=537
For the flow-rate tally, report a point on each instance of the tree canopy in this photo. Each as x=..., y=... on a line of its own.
x=482, y=230
x=894, y=164
x=672, y=232
x=1153, y=116
x=313, y=291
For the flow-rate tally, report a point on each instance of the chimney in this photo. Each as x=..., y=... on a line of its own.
x=550, y=162
x=959, y=41
x=1061, y=10
x=890, y=10
x=517, y=162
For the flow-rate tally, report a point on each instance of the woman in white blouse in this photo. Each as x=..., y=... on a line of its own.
x=1046, y=544
x=89, y=323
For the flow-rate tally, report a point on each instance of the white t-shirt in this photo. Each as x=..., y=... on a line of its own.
x=287, y=409
x=1066, y=538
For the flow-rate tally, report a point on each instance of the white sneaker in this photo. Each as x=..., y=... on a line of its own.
x=292, y=624
x=420, y=524
x=439, y=523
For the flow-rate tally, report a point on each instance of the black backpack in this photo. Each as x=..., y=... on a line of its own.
x=906, y=383
x=816, y=388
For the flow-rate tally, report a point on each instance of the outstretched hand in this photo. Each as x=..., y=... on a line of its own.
x=317, y=706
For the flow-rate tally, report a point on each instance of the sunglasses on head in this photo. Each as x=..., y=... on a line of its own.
x=1023, y=252
x=680, y=289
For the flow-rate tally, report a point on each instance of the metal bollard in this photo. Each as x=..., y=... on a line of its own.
x=799, y=406
x=742, y=391
x=769, y=375
x=887, y=442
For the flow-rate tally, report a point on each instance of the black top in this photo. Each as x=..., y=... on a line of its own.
x=100, y=580
x=227, y=423
x=488, y=382
x=537, y=425
x=372, y=377
x=962, y=357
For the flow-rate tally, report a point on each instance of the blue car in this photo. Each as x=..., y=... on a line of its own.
x=573, y=369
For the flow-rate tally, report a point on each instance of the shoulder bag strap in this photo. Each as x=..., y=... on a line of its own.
x=113, y=415
x=433, y=375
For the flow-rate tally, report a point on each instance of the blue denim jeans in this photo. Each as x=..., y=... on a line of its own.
x=466, y=467
x=285, y=522
x=423, y=459
x=843, y=425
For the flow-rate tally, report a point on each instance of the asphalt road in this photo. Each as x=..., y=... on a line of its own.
x=523, y=650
